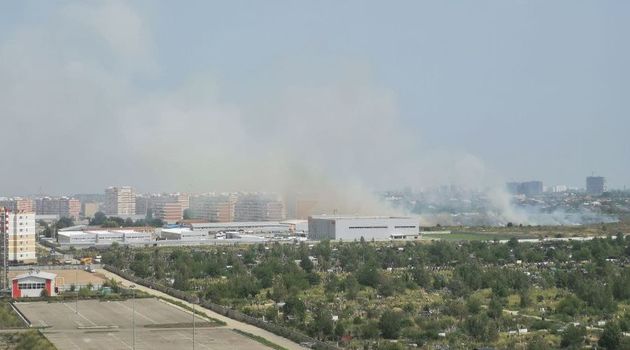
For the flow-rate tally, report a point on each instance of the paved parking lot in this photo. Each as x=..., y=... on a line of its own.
x=108, y=325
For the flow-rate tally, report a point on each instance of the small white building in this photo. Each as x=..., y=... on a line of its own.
x=337, y=227
x=33, y=284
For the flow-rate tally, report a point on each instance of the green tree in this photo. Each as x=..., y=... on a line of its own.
x=322, y=324
x=390, y=324
x=481, y=328
x=573, y=337
x=611, y=337
x=98, y=219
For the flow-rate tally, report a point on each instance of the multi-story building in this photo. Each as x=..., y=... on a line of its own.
x=258, y=207
x=18, y=204
x=529, y=188
x=18, y=228
x=120, y=201
x=63, y=206
x=150, y=203
x=595, y=185
x=89, y=209
x=213, y=208
x=169, y=212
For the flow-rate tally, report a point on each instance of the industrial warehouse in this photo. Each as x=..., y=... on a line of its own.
x=319, y=227
x=339, y=227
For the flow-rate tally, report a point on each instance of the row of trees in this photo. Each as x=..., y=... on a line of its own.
x=100, y=219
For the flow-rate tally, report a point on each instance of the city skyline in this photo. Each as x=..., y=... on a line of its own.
x=240, y=97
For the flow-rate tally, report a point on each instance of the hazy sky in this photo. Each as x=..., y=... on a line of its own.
x=203, y=95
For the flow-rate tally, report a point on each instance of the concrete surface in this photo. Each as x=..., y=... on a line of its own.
x=232, y=324
x=108, y=325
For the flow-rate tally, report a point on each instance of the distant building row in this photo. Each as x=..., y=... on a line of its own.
x=595, y=185
x=61, y=206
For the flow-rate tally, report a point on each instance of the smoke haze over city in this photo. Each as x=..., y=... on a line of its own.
x=284, y=98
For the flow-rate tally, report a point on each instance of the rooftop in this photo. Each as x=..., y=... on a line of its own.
x=35, y=273
x=357, y=217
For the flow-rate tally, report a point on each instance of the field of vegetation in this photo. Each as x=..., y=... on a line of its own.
x=432, y=295
x=29, y=340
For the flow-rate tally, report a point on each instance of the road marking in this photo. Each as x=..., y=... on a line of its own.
x=78, y=313
x=138, y=313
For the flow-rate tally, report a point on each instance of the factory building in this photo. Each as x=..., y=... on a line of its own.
x=33, y=284
x=253, y=227
x=349, y=228
x=103, y=238
x=183, y=234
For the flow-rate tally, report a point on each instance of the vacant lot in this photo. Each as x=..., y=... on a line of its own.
x=108, y=325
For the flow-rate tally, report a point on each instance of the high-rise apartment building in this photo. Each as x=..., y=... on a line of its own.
x=258, y=207
x=89, y=209
x=120, y=201
x=149, y=203
x=169, y=212
x=17, y=230
x=18, y=204
x=595, y=185
x=214, y=208
x=63, y=206
x=529, y=188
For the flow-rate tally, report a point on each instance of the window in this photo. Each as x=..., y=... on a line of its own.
x=365, y=227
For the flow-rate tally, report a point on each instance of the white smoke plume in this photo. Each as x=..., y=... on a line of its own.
x=77, y=117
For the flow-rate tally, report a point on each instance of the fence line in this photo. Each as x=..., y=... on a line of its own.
x=282, y=331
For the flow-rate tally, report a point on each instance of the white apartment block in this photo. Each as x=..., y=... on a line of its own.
x=19, y=230
x=120, y=201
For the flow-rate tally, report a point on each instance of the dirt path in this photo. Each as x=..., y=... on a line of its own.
x=230, y=323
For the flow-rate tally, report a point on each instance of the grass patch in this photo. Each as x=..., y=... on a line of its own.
x=32, y=340
x=8, y=317
x=472, y=236
x=202, y=324
x=197, y=312
x=260, y=339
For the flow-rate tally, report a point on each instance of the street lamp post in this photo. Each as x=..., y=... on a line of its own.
x=76, y=286
x=194, y=301
x=133, y=316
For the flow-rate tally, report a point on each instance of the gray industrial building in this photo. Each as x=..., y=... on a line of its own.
x=252, y=227
x=348, y=228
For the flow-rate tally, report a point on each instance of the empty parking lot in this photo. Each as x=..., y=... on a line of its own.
x=108, y=325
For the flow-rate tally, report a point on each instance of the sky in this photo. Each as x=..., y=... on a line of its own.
x=311, y=95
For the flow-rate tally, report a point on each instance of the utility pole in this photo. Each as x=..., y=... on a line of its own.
x=194, y=301
x=133, y=316
x=76, y=287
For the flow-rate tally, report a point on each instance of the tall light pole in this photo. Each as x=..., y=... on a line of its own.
x=76, y=284
x=133, y=316
x=194, y=301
